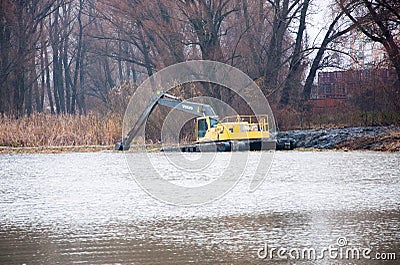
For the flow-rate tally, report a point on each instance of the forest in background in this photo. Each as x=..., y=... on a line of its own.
x=76, y=58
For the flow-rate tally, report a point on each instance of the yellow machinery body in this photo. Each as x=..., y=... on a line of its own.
x=232, y=128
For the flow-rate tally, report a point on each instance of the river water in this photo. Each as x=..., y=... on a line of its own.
x=86, y=208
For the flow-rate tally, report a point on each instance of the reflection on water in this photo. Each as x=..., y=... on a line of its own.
x=86, y=208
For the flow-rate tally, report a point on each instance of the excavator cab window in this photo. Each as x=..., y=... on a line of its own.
x=213, y=123
x=202, y=127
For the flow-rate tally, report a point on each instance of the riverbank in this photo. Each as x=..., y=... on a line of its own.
x=378, y=138
x=385, y=139
x=55, y=149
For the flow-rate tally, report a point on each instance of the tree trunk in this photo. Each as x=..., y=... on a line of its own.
x=67, y=76
x=250, y=39
x=38, y=96
x=42, y=68
x=56, y=83
x=78, y=60
x=274, y=56
x=82, y=83
x=28, y=100
x=317, y=60
x=313, y=70
x=53, y=38
x=119, y=61
x=49, y=94
x=145, y=50
x=293, y=78
x=5, y=95
x=394, y=54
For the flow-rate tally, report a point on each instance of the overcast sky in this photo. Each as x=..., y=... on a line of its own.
x=320, y=15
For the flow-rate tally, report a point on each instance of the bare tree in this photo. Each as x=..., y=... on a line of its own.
x=19, y=22
x=379, y=20
x=293, y=79
x=284, y=11
x=206, y=18
x=334, y=31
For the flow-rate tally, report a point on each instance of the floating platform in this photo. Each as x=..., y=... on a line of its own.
x=225, y=146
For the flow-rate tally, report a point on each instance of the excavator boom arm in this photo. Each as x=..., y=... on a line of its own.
x=194, y=108
x=197, y=109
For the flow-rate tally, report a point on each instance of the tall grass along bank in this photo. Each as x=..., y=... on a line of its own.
x=59, y=130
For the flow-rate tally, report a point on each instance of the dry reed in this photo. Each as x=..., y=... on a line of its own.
x=59, y=130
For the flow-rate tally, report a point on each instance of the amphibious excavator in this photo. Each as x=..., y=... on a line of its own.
x=232, y=133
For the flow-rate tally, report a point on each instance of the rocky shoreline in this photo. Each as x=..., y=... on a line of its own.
x=378, y=138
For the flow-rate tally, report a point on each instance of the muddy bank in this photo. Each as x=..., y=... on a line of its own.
x=54, y=149
x=377, y=138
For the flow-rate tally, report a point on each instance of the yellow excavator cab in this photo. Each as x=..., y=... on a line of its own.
x=245, y=127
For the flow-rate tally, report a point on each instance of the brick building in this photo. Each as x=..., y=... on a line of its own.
x=341, y=84
x=336, y=87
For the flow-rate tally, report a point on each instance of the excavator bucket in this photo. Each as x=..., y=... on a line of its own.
x=120, y=146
